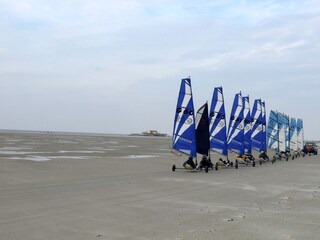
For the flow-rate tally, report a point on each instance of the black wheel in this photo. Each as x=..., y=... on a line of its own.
x=206, y=169
x=231, y=164
x=316, y=153
x=286, y=158
x=253, y=164
x=216, y=167
x=260, y=162
x=292, y=158
x=173, y=168
x=237, y=165
x=272, y=161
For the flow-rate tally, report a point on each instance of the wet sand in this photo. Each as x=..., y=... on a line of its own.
x=114, y=187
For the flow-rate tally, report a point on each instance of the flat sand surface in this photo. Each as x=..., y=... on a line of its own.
x=114, y=187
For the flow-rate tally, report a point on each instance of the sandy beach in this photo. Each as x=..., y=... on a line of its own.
x=56, y=186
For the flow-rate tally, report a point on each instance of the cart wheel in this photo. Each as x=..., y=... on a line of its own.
x=173, y=168
x=253, y=164
x=286, y=158
x=237, y=165
x=206, y=169
x=292, y=158
x=216, y=167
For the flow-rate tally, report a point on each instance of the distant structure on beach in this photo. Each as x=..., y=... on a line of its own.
x=152, y=133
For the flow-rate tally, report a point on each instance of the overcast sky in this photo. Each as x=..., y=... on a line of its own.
x=115, y=66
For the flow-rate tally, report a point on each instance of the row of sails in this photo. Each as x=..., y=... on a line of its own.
x=208, y=129
x=284, y=134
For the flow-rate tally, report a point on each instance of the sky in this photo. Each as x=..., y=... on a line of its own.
x=115, y=66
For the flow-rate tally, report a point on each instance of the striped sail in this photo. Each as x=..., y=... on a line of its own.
x=184, y=134
x=236, y=126
x=272, y=131
x=300, y=137
x=257, y=128
x=217, y=119
x=282, y=132
x=247, y=126
x=293, y=134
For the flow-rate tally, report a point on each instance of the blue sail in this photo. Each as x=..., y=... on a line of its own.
x=202, y=130
x=282, y=132
x=184, y=133
x=257, y=128
x=272, y=131
x=247, y=126
x=217, y=120
x=264, y=127
x=236, y=126
x=293, y=134
x=300, y=137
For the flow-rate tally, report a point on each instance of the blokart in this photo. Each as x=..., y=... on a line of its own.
x=245, y=159
x=223, y=163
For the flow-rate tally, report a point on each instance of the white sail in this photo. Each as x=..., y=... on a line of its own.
x=300, y=134
x=272, y=131
x=282, y=132
x=293, y=135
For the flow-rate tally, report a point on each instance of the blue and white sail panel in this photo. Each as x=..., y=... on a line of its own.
x=272, y=131
x=300, y=137
x=236, y=126
x=264, y=127
x=257, y=127
x=184, y=134
x=247, y=125
x=202, y=130
x=287, y=128
x=217, y=120
x=282, y=132
x=293, y=134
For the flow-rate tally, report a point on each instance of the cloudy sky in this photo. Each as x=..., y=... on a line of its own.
x=115, y=66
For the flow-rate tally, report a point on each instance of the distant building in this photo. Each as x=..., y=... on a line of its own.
x=152, y=133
